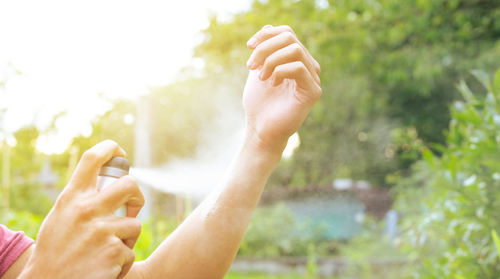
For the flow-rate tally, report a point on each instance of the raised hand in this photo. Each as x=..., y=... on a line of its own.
x=282, y=86
x=81, y=237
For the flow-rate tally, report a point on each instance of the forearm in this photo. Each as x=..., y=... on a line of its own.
x=205, y=244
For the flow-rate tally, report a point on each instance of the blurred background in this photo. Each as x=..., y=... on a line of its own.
x=395, y=174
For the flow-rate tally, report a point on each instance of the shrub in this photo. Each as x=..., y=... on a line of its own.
x=274, y=232
x=459, y=191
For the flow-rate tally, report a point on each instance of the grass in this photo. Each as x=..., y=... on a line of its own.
x=233, y=275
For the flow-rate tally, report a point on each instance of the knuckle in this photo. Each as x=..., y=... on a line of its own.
x=130, y=180
x=130, y=184
x=63, y=200
x=132, y=188
x=288, y=28
x=85, y=211
x=131, y=255
x=300, y=68
x=136, y=226
x=258, y=52
x=268, y=62
x=319, y=91
x=100, y=227
x=289, y=36
x=297, y=49
x=90, y=156
x=99, y=232
x=279, y=70
x=111, y=143
x=115, y=249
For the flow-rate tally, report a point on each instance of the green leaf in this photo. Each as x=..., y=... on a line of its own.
x=496, y=83
x=494, y=235
x=465, y=91
x=483, y=78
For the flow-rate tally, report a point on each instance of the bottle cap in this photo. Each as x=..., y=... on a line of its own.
x=116, y=167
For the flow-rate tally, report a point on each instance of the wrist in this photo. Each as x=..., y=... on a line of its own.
x=266, y=151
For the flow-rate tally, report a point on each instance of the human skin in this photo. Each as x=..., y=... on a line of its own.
x=81, y=237
x=282, y=86
x=276, y=104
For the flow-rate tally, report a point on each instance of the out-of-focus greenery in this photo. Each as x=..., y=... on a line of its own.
x=27, y=198
x=152, y=234
x=459, y=192
x=21, y=221
x=389, y=72
x=386, y=65
x=274, y=232
x=234, y=275
x=373, y=254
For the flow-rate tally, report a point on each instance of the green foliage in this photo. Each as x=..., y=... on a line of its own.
x=372, y=254
x=458, y=193
x=23, y=169
x=152, y=234
x=233, y=275
x=21, y=221
x=274, y=231
x=496, y=240
x=312, y=265
x=110, y=125
x=179, y=114
x=386, y=65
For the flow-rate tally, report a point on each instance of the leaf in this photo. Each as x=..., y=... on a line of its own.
x=483, y=78
x=428, y=156
x=494, y=235
x=496, y=83
x=465, y=91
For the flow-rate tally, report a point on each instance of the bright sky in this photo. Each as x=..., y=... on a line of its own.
x=71, y=52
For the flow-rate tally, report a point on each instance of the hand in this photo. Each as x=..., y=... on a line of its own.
x=81, y=237
x=282, y=86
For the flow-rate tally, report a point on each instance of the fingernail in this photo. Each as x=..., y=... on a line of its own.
x=250, y=64
x=251, y=42
x=267, y=26
x=253, y=66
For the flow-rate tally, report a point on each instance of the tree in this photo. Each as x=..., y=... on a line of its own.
x=388, y=68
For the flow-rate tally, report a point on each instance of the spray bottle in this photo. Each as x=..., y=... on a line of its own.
x=110, y=172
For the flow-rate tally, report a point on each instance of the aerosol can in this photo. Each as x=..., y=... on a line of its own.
x=110, y=172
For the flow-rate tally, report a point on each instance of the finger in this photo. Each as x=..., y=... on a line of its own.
x=298, y=72
x=290, y=53
x=127, y=229
x=124, y=191
x=269, y=31
x=129, y=258
x=266, y=33
x=92, y=160
x=268, y=47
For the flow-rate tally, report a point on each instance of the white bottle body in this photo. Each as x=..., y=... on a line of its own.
x=105, y=181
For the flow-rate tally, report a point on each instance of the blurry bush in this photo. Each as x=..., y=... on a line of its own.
x=152, y=234
x=274, y=232
x=454, y=202
x=386, y=65
x=21, y=221
x=373, y=254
